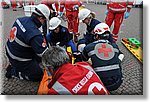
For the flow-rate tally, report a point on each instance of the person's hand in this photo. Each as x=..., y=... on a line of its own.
x=75, y=7
x=126, y=15
x=106, y=12
x=60, y=14
x=78, y=56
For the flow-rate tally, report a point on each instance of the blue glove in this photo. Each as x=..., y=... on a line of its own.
x=75, y=7
x=60, y=14
x=126, y=15
x=106, y=12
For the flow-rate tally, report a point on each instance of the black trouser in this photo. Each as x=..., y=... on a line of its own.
x=111, y=80
x=28, y=70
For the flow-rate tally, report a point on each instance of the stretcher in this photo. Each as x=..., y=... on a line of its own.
x=133, y=45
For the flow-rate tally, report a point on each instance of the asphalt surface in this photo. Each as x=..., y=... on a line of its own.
x=132, y=69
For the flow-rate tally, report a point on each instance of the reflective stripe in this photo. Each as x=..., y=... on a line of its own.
x=107, y=68
x=87, y=67
x=40, y=55
x=21, y=43
x=114, y=9
x=130, y=6
x=93, y=52
x=20, y=25
x=61, y=89
x=15, y=57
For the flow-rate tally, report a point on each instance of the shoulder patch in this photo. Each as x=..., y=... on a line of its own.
x=104, y=51
x=12, y=34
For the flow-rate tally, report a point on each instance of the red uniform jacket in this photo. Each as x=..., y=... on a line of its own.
x=76, y=79
x=49, y=3
x=69, y=4
x=119, y=5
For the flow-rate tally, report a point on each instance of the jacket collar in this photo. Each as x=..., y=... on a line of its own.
x=36, y=21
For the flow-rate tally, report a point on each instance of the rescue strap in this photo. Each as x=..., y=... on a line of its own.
x=107, y=68
x=15, y=57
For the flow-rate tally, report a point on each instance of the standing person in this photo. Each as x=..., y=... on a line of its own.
x=72, y=10
x=14, y=5
x=53, y=6
x=68, y=79
x=26, y=45
x=59, y=35
x=105, y=56
x=116, y=11
x=31, y=2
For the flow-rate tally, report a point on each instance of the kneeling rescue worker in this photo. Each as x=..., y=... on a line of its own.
x=105, y=56
x=26, y=45
x=59, y=35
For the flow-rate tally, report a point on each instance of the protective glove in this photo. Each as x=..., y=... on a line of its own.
x=60, y=14
x=75, y=7
x=78, y=56
x=106, y=12
x=121, y=56
x=126, y=15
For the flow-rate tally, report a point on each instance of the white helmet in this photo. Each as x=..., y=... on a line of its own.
x=83, y=13
x=42, y=10
x=54, y=23
x=101, y=28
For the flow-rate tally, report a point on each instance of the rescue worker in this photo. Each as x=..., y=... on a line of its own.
x=105, y=57
x=53, y=6
x=88, y=17
x=69, y=79
x=31, y=2
x=14, y=5
x=59, y=35
x=26, y=45
x=117, y=10
x=72, y=9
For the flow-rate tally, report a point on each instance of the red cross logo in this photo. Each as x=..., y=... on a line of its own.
x=104, y=50
x=101, y=92
x=12, y=34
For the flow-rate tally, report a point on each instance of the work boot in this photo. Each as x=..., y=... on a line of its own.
x=8, y=72
x=14, y=9
x=115, y=37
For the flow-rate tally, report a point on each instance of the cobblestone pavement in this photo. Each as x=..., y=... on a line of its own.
x=131, y=67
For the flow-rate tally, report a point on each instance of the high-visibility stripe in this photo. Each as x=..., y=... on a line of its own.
x=15, y=57
x=59, y=88
x=130, y=6
x=40, y=55
x=91, y=53
x=21, y=43
x=107, y=68
x=115, y=9
x=87, y=67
